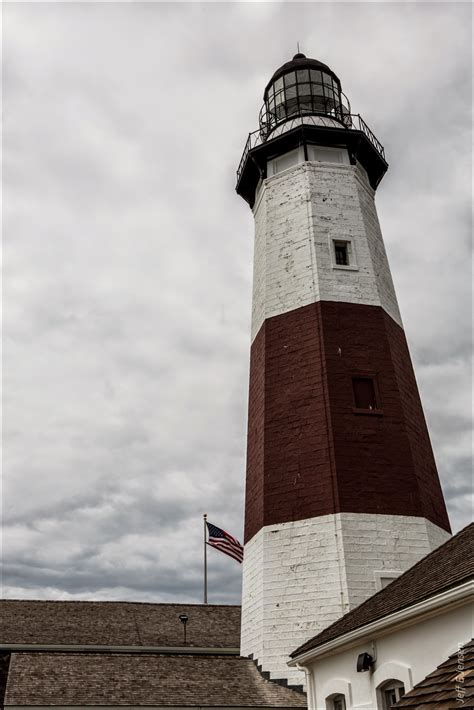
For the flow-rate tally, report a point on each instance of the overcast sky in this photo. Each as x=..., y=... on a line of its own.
x=128, y=263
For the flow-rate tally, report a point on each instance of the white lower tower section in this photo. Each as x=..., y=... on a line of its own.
x=299, y=577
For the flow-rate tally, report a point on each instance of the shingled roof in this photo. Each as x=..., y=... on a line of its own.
x=450, y=686
x=118, y=624
x=448, y=566
x=121, y=679
x=75, y=653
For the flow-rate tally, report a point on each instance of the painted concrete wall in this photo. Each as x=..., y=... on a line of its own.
x=297, y=215
x=310, y=572
x=408, y=655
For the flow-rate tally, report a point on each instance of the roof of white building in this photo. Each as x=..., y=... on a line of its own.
x=450, y=686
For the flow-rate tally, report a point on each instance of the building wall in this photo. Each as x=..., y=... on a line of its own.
x=301, y=576
x=407, y=654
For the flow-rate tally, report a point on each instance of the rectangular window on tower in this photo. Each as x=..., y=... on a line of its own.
x=384, y=577
x=327, y=154
x=285, y=161
x=366, y=396
x=343, y=254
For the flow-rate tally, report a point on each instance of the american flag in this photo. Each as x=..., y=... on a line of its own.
x=221, y=540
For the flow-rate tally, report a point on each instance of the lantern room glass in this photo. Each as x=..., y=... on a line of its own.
x=302, y=92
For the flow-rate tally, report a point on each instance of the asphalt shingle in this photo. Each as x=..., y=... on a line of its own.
x=118, y=624
x=62, y=679
x=450, y=686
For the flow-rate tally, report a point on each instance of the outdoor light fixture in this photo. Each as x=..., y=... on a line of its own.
x=364, y=662
x=184, y=620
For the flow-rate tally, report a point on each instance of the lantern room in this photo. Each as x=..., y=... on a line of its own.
x=305, y=110
x=302, y=87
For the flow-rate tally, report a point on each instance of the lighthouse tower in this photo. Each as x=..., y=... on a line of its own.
x=342, y=490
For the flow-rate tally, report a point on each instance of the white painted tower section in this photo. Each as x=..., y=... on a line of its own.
x=298, y=215
x=299, y=577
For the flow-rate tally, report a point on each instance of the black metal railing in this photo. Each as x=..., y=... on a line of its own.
x=351, y=121
x=365, y=129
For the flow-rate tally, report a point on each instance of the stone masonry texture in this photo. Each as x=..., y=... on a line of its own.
x=301, y=576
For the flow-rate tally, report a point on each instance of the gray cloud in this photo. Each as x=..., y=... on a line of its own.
x=128, y=262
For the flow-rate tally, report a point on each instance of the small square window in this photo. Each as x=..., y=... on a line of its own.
x=285, y=161
x=385, y=577
x=365, y=394
x=327, y=154
x=341, y=253
x=392, y=695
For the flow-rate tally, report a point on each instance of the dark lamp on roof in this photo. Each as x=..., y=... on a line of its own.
x=184, y=620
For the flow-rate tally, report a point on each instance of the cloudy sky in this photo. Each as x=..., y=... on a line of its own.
x=128, y=261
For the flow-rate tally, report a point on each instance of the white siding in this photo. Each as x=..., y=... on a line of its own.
x=408, y=654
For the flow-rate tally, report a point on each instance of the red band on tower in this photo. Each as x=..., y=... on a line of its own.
x=310, y=452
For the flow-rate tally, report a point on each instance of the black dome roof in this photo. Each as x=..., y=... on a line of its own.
x=299, y=61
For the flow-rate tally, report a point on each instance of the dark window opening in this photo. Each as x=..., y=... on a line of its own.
x=365, y=395
x=342, y=253
x=4, y=666
x=339, y=702
x=392, y=695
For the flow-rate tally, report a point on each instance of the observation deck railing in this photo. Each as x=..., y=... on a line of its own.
x=352, y=121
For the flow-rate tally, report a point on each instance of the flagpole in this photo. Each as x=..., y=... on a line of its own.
x=205, y=559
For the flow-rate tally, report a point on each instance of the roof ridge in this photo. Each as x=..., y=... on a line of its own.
x=118, y=601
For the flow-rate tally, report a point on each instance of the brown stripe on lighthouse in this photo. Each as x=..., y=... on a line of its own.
x=311, y=450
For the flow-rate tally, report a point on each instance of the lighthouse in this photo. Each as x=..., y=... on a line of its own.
x=342, y=491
